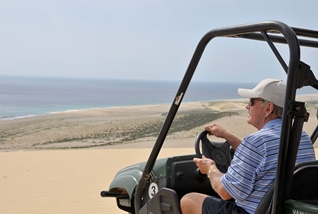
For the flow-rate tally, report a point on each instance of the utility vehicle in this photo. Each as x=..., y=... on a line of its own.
x=156, y=186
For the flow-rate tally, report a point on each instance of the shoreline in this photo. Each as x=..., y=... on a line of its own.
x=301, y=97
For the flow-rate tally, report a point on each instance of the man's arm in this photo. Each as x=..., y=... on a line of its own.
x=215, y=178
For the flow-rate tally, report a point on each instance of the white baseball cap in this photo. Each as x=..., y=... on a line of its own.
x=272, y=90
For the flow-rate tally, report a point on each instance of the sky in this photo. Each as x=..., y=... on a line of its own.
x=142, y=39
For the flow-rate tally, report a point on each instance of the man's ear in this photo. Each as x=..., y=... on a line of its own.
x=269, y=108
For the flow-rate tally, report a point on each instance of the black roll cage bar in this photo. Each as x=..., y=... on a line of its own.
x=294, y=113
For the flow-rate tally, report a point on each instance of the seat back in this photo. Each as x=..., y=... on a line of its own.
x=305, y=183
x=304, y=187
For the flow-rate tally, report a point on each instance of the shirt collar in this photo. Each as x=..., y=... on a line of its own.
x=275, y=122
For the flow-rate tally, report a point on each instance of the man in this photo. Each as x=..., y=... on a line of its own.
x=253, y=168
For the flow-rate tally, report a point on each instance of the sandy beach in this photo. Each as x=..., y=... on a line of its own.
x=59, y=163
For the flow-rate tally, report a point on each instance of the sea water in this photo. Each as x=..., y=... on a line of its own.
x=30, y=96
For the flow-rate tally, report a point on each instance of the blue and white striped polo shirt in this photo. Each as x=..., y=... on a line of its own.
x=253, y=168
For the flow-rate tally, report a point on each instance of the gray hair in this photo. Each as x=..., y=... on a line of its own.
x=278, y=111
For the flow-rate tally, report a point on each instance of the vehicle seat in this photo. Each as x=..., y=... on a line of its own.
x=304, y=187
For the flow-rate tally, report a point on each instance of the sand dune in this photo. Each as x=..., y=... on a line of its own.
x=65, y=181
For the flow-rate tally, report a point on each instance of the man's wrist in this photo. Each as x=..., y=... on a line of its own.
x=210, y=170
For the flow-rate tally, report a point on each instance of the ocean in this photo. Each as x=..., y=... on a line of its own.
x=30, y=96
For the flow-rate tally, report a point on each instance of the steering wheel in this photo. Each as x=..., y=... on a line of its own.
x=221, y=153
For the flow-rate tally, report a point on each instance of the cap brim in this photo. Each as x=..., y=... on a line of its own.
x=248, y=93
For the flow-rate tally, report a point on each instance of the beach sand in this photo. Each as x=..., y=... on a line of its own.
x=59, y=163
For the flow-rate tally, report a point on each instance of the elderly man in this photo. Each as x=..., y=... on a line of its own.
x=253, y=168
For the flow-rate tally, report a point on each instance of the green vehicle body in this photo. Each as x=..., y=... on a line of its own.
x=128, y=177
x=166, y=173
x=156, y=185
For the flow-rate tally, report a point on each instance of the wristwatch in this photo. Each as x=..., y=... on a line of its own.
x=209, y=172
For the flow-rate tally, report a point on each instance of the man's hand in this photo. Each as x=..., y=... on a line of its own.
x=219, y=131
x=216, y=130
x=204, y=164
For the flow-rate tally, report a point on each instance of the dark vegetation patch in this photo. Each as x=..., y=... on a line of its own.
x=121, y=133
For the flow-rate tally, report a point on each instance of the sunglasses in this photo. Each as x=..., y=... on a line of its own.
x=251, y=102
